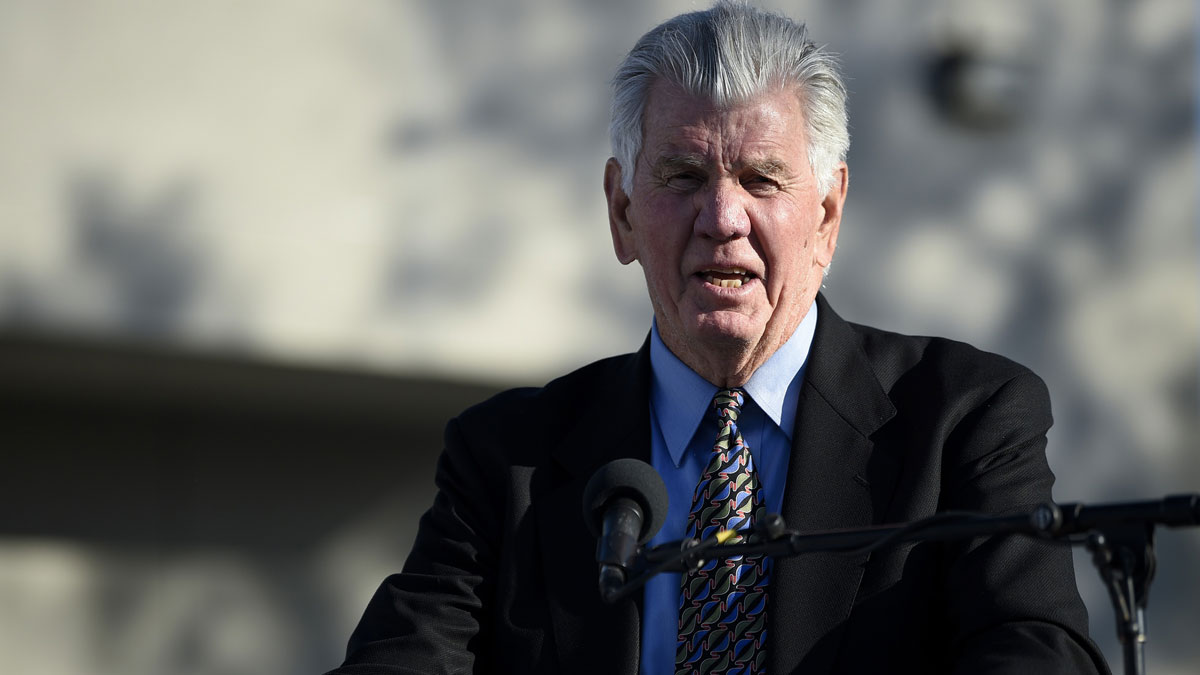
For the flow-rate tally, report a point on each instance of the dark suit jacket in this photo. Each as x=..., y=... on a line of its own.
x=890, y=428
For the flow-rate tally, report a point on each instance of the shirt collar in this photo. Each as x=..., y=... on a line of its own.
x=775, y=386
x=680, y=396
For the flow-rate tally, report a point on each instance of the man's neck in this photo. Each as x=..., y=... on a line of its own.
x=725, y=365
x=730, y=363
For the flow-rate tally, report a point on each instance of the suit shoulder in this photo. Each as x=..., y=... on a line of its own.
x=896, y=356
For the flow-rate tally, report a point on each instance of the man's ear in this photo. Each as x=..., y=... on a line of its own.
x=835, y=199
x=618, y=207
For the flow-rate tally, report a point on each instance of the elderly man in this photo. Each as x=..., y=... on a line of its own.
x=749, y=396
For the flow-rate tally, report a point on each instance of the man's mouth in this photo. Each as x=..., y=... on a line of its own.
x=730, y=277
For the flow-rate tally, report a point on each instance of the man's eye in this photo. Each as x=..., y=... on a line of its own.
x=684, y=181
x=759, y=183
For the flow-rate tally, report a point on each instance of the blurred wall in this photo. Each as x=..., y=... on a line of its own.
x=163, y=512
x=265, y=200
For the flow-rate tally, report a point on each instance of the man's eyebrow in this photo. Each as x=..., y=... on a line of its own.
x=769, y=166
x=683, y=161
x=766, y=166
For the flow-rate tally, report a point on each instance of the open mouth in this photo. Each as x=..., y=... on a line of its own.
x=732, y=277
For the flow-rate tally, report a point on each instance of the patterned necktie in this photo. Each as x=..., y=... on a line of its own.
x=722, y=605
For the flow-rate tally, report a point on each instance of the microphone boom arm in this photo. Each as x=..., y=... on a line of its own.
x=1120, y=537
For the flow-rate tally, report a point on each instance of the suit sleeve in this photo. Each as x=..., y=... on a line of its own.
x=432, y=617
x=1012, y=602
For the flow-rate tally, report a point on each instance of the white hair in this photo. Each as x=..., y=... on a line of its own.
x=730, y=54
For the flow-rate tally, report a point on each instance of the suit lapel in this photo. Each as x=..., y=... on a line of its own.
x=589, y=635
x=835, y=481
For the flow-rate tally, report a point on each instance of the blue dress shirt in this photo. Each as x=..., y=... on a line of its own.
x=682, y=433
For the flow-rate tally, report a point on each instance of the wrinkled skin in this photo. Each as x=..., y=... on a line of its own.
x=728, y=224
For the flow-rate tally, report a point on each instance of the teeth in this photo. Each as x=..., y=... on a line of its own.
x=724, y=283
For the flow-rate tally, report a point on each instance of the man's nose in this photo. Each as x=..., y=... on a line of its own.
x=721, y=211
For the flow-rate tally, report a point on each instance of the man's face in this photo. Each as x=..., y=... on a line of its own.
x=727, y=223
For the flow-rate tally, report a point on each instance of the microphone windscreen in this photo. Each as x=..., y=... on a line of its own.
x=630, y=478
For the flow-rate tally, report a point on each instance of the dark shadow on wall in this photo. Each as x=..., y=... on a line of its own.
x=137, y=260
x=202, y=494
x=117, y=443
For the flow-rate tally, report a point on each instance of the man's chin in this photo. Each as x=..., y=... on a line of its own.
x=725, y=329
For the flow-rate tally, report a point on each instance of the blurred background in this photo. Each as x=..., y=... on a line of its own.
x=253, y=257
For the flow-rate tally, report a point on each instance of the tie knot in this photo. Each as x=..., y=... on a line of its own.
x=728, y=403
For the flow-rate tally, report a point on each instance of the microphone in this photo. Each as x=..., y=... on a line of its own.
x=624, y=504
x=1074, y=518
